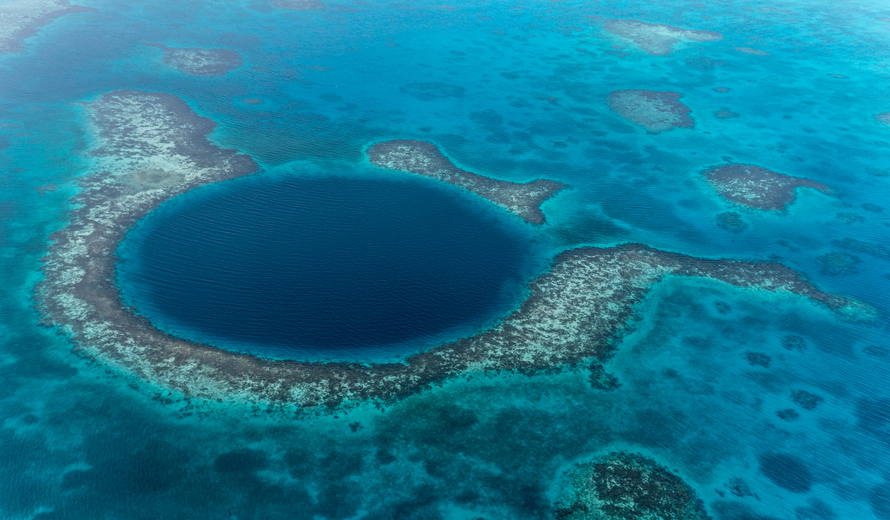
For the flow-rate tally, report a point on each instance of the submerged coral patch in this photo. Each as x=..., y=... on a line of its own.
x=786, y=471
x=751, y=50
x=20, y=19
x=655, y=111
x=655, y=38
x=837, y=264
x=627, y=486
x=731, y=221
x=861, y=246
x=883, y=118
x=757, y=187
x=423, y=158
x=200, y=62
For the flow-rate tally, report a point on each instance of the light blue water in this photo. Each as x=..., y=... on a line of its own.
x=524, y=97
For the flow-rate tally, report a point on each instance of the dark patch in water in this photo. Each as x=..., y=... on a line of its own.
x=321, y=263
x=787, y=472
x=873, y=416
x=241, y=461
x=879, y=500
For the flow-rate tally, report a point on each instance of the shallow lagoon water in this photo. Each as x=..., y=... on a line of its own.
x=80, y=442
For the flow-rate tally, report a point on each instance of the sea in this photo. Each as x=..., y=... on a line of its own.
x=769, y=406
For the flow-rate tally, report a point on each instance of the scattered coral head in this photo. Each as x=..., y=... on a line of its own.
x=655, y=111
x=655, y=38
x=627, y=486
x=757, y=187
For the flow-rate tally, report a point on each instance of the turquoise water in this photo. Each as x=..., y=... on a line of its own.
x=516, y=91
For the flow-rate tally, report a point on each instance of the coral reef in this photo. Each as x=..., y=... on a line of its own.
x=757, y=187
x=794, y=343
x=423, y=158
x=786, y=471
x=758, y=359
x=731, y=221
x=725, y=113
x=751, y=50
x=788, y=414
x=838, y=264
x=20, y=19
x=602, y=380
x=806, y=400
x=654, y=111
x=200, y=62
x=627, y=486
x=655, y=38
x=861, y=246
x=883, y=118
x=152, y=147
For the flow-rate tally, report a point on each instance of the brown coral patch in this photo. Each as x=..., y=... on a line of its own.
x=200, y=62
x=757, y=187
x=627, y=486
x=655, y=111
x=423, y=158
x=655, y=38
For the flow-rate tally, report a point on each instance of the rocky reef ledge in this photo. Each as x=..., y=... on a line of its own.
x=626, y=486
x=655, y=38
x=20, y=19
x=654, y=111
x=200, y=62
x=757, y=187
x=423, y=158
x=152, y=147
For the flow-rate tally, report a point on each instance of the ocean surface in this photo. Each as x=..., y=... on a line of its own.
x=513, y=90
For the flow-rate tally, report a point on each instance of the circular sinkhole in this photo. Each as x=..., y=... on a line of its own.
x=331, y=268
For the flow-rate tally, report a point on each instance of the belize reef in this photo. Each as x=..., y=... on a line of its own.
x=336, y=260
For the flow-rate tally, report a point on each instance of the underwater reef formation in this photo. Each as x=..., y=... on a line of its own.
x=883, y=118
x=20, y=19
x=838, y=264
x=655, y=38
x=152, y=147
x=725, y=113
x=423, y=158
x=627, y=486
x=731, y=221
x=757, y=187
x=751, y=50
x=200, y=62
x=654, y=111
x=786, y=471
x=861, y=246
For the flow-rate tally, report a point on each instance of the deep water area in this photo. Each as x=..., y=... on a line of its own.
x=768, y=406
x=324, y=268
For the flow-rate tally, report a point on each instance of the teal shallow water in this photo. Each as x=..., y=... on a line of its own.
x=517, y=92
